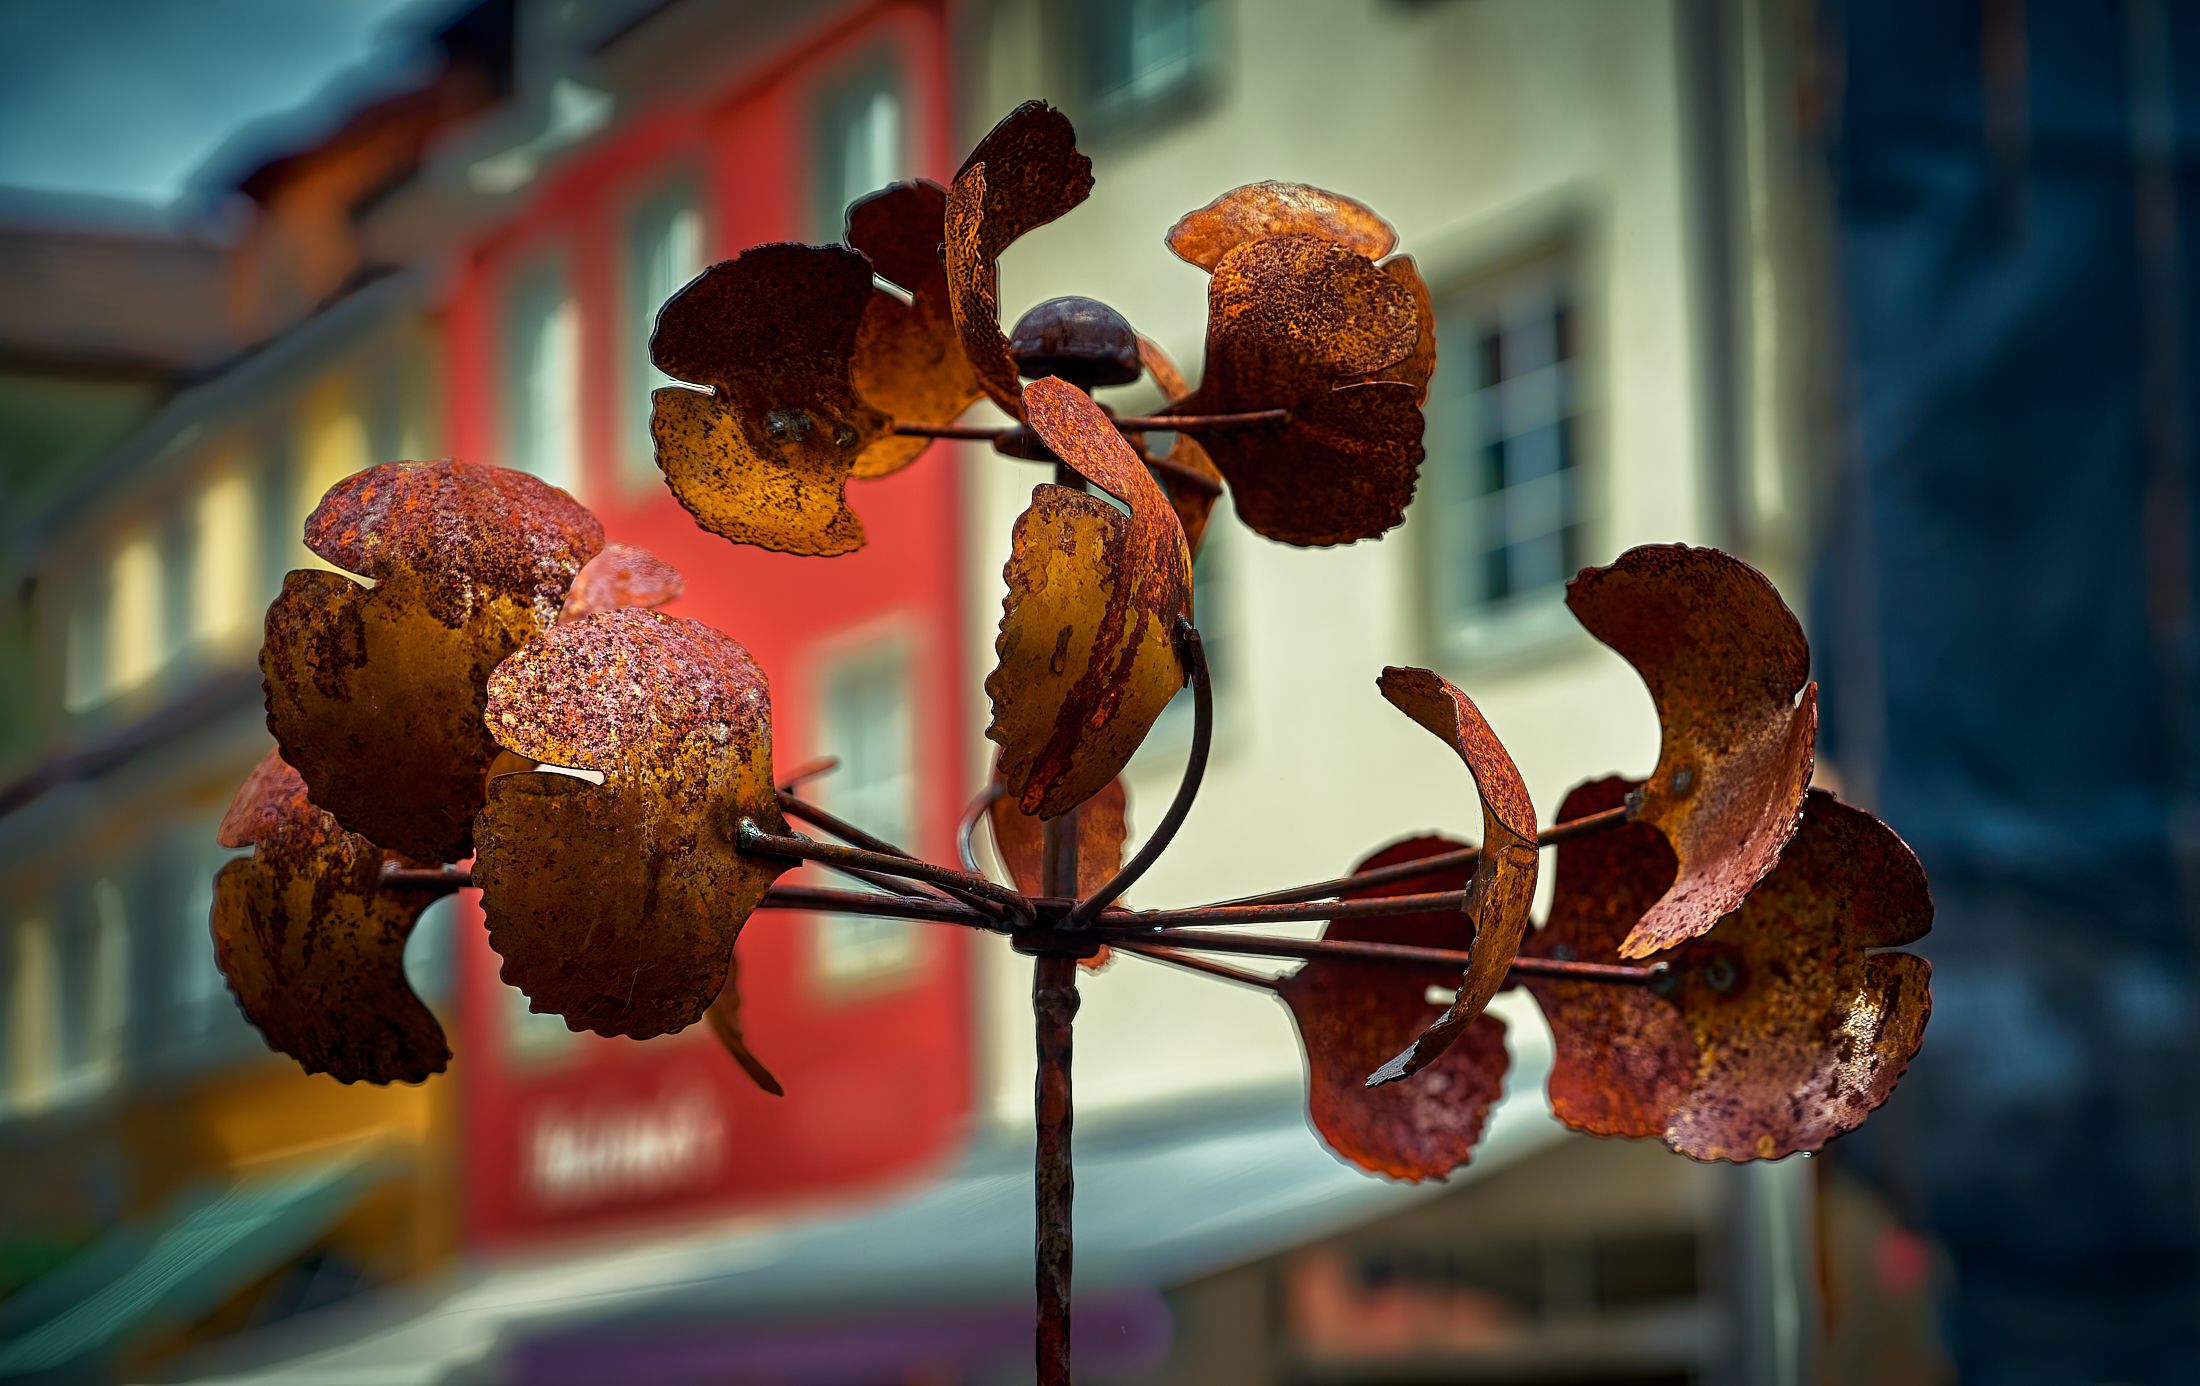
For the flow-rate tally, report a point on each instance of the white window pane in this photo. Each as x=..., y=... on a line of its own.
x=867, y=721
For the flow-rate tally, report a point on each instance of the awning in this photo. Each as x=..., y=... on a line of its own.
x=171, y=1269
x=1163, y=1198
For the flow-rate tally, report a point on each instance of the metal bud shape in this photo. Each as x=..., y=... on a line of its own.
x=1082, y=340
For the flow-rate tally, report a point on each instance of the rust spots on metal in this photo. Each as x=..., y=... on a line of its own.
x=375, y=693
x=312, y=946
x=724, y=1016
x=1503, y=887
x=616, y=904
x=1791, y=1028
x=1419, y=366
x=1026, y=172
x=764, y=456
x=1258, y=211
x=1301, y=323
x=1724, y=660
x=1086, y=657
x=908, y=359
x=1102, y=826
x=1193, y=505
x=1352, y=1015
x=621, y=575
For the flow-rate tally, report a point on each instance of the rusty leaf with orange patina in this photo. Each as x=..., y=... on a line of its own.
x=1194, y=506
x=621, y=575
x=1724, y=660
x=909, y=359
x=1086, y=657
x=1779, y=1029
x=1026, y=172
x=1302, y=323
x=724, y=1016
x=1419, y=366
x=1503, y=887
x=616, y=904
x=1103, y=824
x=764, y=455
x=1351, y=1016
x=1258, y=211
x=375, y=693
x=312, y=946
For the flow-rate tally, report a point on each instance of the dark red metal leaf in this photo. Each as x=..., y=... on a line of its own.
x=616, y=904
x=1258, y=211
x=375, y=694
x=1503, y=887
x=1087, y=651
x=1774, y=1032
x=313, y=947
x=1724, y=659
x=725, y=1022
x=1352, y=1016
x=764, y=457
x=1102, y=826
x=1026, y=172
x=621, y=575
x=1193, y=505
x=909, y=360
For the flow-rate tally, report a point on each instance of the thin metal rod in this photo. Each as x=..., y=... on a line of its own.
x=1191, y=963
x=754, y=839
x=1399, y=954
x=1429, y=865
x=1140, y=423
x=1193, y=653
x=966, y=832
x=1053, y=1183
x=848, y=832
x=932, y=908
x=1288, y=911
x=808, y=770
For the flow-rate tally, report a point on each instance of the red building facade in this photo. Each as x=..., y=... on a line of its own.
x=547, y=320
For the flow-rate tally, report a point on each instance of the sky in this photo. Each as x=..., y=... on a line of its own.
x=125, y=98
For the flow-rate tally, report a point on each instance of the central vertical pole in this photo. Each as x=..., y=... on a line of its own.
x=1054, y=1008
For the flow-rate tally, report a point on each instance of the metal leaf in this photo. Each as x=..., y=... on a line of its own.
x=1723, y=658
x=764, y=457
x=1504, y=877
x=1102, y=827
x=312, y=946
x=1419, y=366
x=1790, y=1029
x=616, y=904
x=1301, y=323
x=1026, y=172
x=1351, y=1016
x=621, y=575
x=375, y=694
x=909, y=360
x=1260, y=210
x=1193, y=506
x=1086, y=658
x=725, y=1022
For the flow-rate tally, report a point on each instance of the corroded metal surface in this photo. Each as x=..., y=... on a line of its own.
x=1087, y=648
x=1503, y=887
x=1193, y=505
x=375, y=694
x=1790, y=1030
x=616, y=904
x=1258, y=211
x=1102, y=826
x=764, y=458
x=724, y=1016
x=1353, y=1015
x=908, y=359
x=1026, y=172
x=1724, y=659
x=312, y=944
x=621, y=575
x=1419, y=365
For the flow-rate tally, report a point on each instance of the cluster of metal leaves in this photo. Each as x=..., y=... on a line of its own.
x=435, y=715
x=1774, y=1026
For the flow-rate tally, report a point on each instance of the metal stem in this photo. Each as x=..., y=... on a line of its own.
x=1178, y=958
x=1399, y=954
x=1054, y=1013
x=1288, y=911
x=1138, y=423
x=848, y=832
x=1429, y=865
x=1194, y=656
x=754, y=839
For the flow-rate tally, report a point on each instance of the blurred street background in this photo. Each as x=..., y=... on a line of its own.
x=1892, y=299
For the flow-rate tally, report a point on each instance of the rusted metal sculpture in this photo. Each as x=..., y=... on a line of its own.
x=1714, y=965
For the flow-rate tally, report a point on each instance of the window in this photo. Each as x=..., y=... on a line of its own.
x=664, y=251
x=69, y=998
x=866, y=720
x=542, y=380
x=177, y=889
x=1136, y=58
x=222, y=576
x=1503, y=470
x=858, y=146
x=136, y=641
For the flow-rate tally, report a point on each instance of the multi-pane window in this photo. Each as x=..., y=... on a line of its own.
x=865, y=719
x=1134, y=57
x=859, y=146
x=1504, y=505
x=542, y=379
x=664, y=251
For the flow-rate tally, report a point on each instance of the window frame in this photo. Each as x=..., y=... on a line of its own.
x=1104, y=114
x=546, y=282
x=639, y=379
x=880, y=68
x=896, y=952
